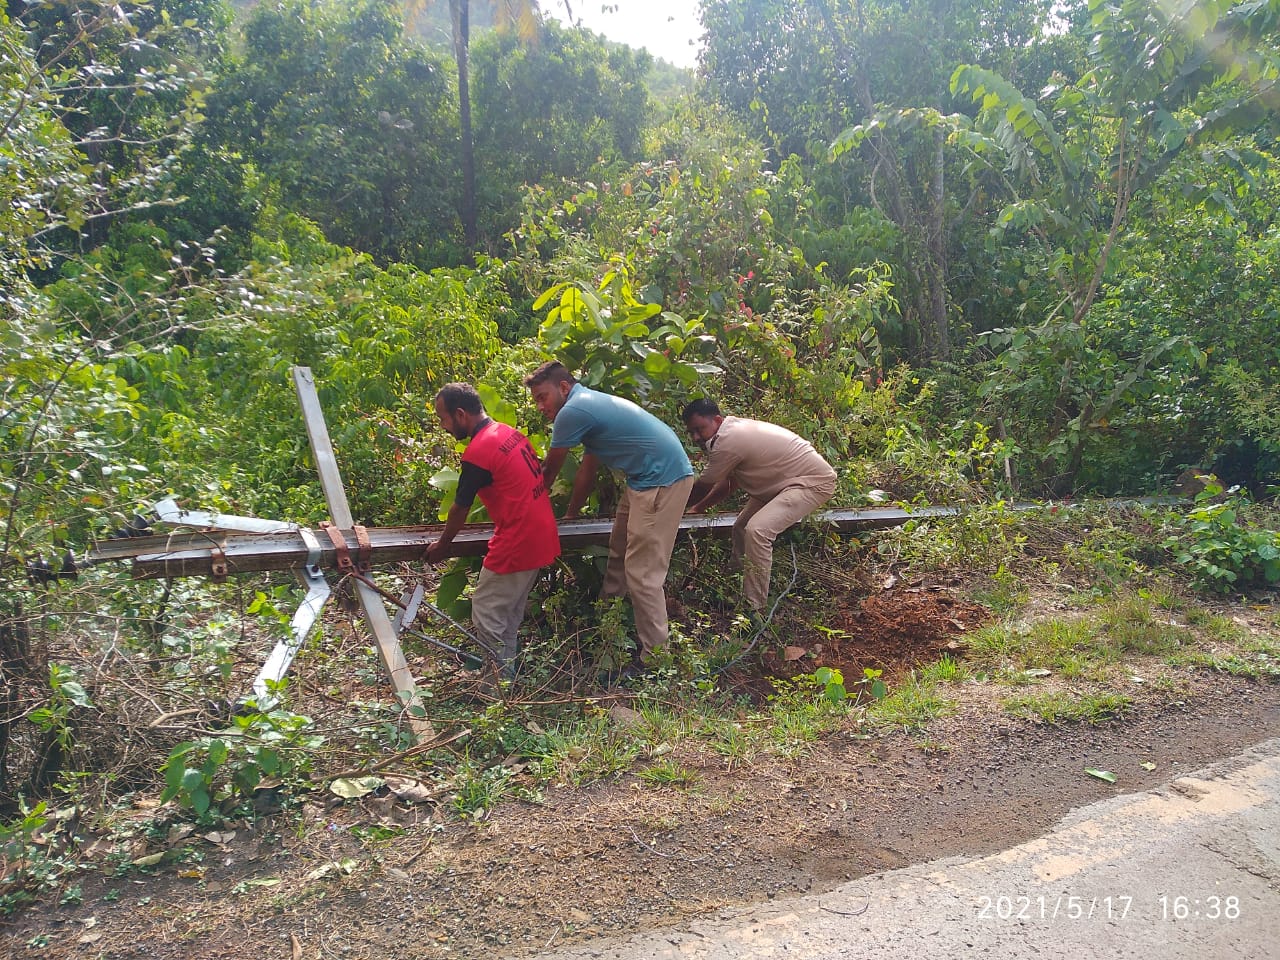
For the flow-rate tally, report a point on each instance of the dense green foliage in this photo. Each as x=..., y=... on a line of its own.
x=966, y=254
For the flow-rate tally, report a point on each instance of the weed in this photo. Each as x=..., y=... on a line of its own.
x=912, y=705
x=1132, y=626
x=662, y=724
x=1218, y=628
x=613, y=640
x=943, y=670
x=591, y=750
x=29, y=862
x=984, y=537
x=872, y=683
x=479, y=790
x=805, y=707
x=1219, y=550
x=1163, y=598
x=669, y=773
x=1080, y=647
x=1008, y=592
x=203, y=773
x=1061, y=707
x=376, y=834
x=1257, y=661
x=1108, y=556
x=1021, y=647
x=732, y=740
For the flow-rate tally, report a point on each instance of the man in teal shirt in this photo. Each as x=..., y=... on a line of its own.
x=617, y=433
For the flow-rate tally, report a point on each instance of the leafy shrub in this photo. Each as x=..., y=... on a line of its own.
x=232, y=765
x=1221, y=551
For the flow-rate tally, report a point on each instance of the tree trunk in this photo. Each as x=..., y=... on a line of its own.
x=941, y=339
x=461, y=11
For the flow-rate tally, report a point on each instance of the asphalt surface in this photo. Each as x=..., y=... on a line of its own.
x=1188, y=870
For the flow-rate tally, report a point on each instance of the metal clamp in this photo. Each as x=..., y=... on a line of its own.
x=340, y=545
x=217, y=563
x=362, y=541
x=313, y=551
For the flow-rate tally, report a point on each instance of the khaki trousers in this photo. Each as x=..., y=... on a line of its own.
x=759, y=524
x=497, y=610
x=644, y=533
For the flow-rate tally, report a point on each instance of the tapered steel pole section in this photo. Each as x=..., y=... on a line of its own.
x=375, y=612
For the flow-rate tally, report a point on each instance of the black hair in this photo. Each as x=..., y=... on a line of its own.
x=553, y=371
x=702, y=407
x=460, y=396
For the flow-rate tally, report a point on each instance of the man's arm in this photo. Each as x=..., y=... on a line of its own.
x=470, y=479
x=716, y=481
x=717, y=493
x=453, y=523
x=583, y=484
x=551, y=465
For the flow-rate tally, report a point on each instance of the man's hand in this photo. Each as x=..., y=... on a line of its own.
x=714, y=494
x=436, y=552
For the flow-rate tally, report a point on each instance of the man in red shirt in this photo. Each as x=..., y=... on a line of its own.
x=500, y=467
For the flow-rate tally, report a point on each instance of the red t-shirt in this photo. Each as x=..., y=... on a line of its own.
x=501, y=468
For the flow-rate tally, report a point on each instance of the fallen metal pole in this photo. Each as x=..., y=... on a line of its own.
x=221, y=553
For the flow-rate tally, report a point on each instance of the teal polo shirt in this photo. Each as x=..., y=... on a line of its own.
x=623, y=436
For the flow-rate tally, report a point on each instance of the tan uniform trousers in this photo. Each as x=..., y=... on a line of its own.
x=759, y=524
x=640, y=545
x=497, y=610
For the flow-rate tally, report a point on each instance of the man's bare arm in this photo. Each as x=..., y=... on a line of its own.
x=453, y=523
x=552, y=463
x=716, y=494
x=583, y=484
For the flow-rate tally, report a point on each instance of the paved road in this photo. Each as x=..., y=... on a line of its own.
x=1188, y=870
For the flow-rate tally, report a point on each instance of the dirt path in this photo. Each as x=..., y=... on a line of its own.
x=628, y=855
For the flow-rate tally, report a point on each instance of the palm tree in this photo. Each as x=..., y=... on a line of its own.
x=507, y=14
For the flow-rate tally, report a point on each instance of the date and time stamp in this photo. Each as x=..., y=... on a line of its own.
x=1170, y=907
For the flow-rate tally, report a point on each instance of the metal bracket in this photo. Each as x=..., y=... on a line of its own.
x=339, y=542
x=410, y=601
x=168, y=511
x=362, y=541
x=304, y=618
x=217, y=563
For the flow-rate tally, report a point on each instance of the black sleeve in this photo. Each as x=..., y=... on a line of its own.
x=470, y=480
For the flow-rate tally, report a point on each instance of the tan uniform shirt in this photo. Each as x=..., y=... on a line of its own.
x=762, y=458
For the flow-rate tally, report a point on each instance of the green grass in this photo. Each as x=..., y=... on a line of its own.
x=738, y=743
x=800, y=713
x=591, y=750
x=1257, y=660
x=662, y=724
x=668, y=773
x=912, y=705
x=1059, y=707
x=1132, y=626
x=1006, y=593
x=944, y=670
x=1084, y=647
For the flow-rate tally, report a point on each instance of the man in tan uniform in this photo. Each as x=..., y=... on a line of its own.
x=785, y=480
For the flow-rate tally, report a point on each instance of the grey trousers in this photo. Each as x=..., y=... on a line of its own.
x=497, y=610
